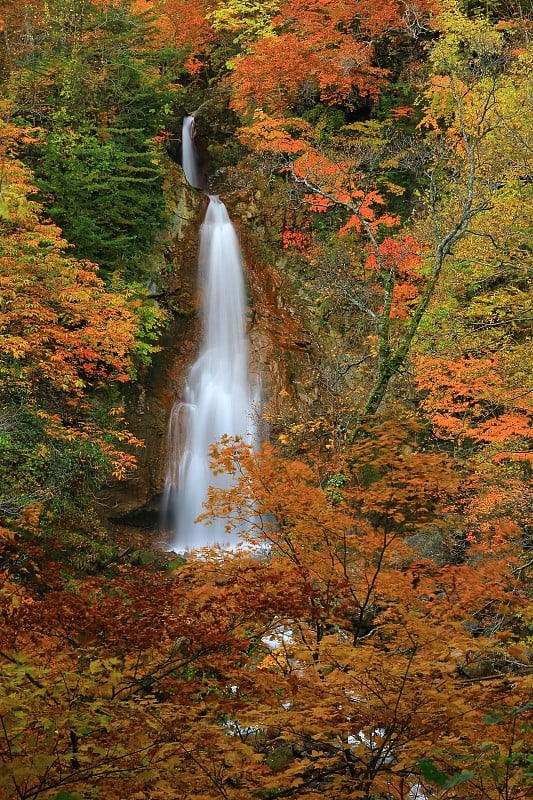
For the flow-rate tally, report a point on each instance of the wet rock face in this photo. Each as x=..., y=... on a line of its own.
x=148, y=405
x=149, y=401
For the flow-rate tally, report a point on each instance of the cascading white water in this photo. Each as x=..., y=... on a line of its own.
x=218, y=398
x=189, y=156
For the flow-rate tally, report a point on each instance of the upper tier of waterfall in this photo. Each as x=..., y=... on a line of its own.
x=189, y=155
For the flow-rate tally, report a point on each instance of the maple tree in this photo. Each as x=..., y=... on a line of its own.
x=467, y=106
x=185, y=23
x=331, y=47
x=491, y=309
x=473, y=380
x=343, y=546
x=335, y=657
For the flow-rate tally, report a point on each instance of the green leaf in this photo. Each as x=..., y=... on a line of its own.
x=460, y=777
x=433, y=774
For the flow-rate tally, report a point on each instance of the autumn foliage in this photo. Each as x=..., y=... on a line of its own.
x=64, y=334
x=340, y=655
x=371, y=637
x=322, y=48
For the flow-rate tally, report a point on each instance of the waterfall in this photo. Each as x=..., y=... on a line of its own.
x=217, y=398
x=189, y=156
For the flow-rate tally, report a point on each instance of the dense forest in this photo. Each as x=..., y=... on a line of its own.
x=374, y=640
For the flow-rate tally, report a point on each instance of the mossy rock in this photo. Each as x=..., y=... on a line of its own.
x=157, y=560
x=280, y=758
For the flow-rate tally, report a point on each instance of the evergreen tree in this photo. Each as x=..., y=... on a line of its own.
x=99, y=93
